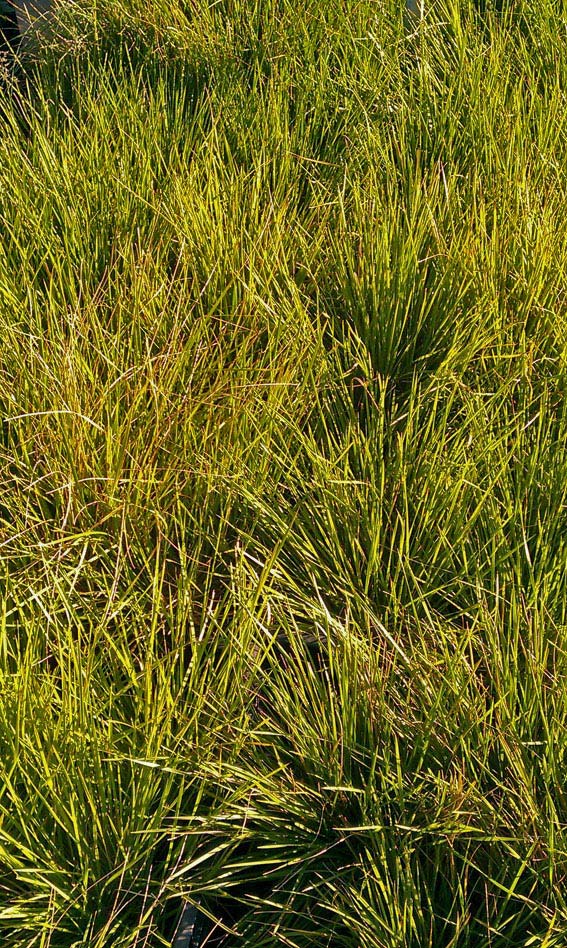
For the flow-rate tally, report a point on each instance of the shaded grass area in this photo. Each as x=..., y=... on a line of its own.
x=283, y=477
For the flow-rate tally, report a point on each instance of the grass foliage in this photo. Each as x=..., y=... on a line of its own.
x=283, y=476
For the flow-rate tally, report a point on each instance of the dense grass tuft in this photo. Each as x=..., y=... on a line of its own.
x=283, y=492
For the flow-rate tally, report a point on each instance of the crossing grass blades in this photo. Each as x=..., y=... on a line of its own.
x=283, y=477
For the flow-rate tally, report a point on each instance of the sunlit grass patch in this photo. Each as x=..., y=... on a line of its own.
x=282, y=500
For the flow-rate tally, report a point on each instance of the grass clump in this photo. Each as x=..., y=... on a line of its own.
x=283, y=477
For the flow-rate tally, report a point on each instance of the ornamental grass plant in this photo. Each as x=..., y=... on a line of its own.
x=283, y=476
